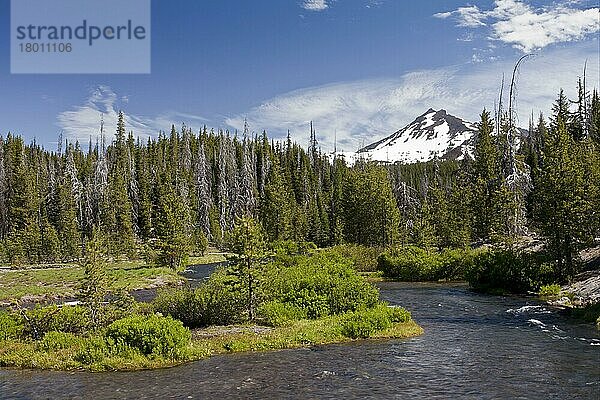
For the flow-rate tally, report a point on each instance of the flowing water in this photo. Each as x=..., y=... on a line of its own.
x=474, y=346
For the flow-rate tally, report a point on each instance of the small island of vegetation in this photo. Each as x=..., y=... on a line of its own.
x=268, y=297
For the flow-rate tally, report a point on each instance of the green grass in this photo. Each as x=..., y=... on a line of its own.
x=209, y=258
x=210, y=342
x=39, y=283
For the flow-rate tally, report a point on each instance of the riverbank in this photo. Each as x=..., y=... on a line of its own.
x=205, y=343
x=581, y=297
x=53, y=283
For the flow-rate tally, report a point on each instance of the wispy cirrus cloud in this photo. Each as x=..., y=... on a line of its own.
x=82, y=122
x=528, y=28
x=361, y=112
x=468, y=17
x=315, y=5
x=322, y=5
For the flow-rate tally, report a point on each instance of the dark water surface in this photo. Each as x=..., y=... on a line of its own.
x=195, y=275
x=474, y=346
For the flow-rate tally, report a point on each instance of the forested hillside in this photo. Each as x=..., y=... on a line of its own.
x=170, y=195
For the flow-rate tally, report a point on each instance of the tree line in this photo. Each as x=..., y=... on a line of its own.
x=171, y=195
x=174, y=193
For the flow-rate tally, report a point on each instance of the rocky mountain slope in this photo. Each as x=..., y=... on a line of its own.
x=434, y=133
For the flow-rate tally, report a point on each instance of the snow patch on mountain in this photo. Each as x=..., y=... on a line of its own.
x=434, y=133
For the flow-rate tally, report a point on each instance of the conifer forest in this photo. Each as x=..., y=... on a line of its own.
x=174, y=194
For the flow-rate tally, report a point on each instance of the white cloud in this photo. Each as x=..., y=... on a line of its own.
x=374, y=3
x=315, y=5
x=469, y=17
x=82, y=122
x=365, y=111
x=527, y=28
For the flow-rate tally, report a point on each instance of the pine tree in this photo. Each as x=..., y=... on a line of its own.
x=247, y=245
x=459, y=214
x=120, y=220
x=203, y=190
x=50, y=243
x=560, y=198
x=3, y=190
x=174, y=239
x=595, y=118
x=22, y=206
x=144, y=182
x=94, y=286
x=277, y=206
x=423, y=232
x=66, y=222
x=370, y=211
x=438, y=215
x=486, y=180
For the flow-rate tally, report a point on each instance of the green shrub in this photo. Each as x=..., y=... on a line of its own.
x=72, y=319
x=363, y=258
x=275, y=313
x=399, y=314
x=410, y=264
x=364, y=323
x=413, y=263
x=215, y=302
x=351, y=293
x=455, y=263
x=181, y=303
x=58, y=341
x=92, y=350
x=11, y=326
x=200, y=242
x=314, y=304
x=223, y=305
x=509, y=271
x=150, y=253
x=292, y=248
x=549, y=290
x=320, y=285
x=313, y=287
x=150, y=335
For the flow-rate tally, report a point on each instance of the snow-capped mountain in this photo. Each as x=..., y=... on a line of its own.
x=433, y=133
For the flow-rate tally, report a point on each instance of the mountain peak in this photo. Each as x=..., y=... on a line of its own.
x=434, y=133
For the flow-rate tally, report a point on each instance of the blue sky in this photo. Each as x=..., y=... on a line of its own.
x=358, y=68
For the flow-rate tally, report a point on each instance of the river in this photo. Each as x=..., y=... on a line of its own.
x=474, y=347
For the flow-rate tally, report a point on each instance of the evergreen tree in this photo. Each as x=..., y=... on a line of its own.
x=50, y=250
x=594, y=115
x=561, y=198
x=119, y=221
x=247, y=245
x=3, y=193
x=174, y=241
x=276, y=207
x=65, y=220
x=94, y=286
x=486, y=180
x=423, y=232
x=203, y=190
x=370, y=212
